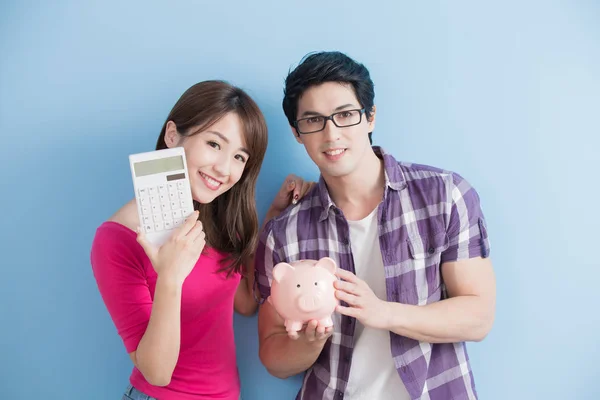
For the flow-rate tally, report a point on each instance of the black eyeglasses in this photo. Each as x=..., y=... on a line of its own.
x=340, y=119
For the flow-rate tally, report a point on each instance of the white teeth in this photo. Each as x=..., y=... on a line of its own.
x=335, y=152
x=211, y=181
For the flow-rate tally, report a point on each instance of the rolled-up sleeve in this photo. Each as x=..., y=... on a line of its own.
x=467, y=230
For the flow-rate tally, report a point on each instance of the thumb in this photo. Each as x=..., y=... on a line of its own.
x=147, y=246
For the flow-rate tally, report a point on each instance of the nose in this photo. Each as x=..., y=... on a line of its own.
x=222, y=167
x=331, y=132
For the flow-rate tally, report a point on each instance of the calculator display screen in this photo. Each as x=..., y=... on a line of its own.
x=158, y=166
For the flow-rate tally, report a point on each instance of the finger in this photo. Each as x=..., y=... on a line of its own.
x=187, y=225
x=196, y=231
x=348, y=298
x=320, y=331
x=147, y=246
x=325, y=334
x=348, y=311
x=347, y=287
x=288, y=186
x=310, y=330
x=346, y=275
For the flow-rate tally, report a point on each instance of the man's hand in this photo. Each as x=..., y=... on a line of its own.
x=364, y=305
x=312, y=332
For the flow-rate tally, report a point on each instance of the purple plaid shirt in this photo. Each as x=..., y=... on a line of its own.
x=428, y=216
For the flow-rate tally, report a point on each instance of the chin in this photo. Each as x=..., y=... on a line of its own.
x=205, y=198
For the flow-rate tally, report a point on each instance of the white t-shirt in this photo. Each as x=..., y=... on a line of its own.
x=372, y=374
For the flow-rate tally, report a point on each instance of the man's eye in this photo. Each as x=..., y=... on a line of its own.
x=314, y=120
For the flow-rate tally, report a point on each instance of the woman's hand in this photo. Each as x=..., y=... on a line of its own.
x=176, y=258
x=291, y=191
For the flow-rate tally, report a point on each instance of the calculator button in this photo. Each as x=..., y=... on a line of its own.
x=166, y=215
x=153, y=199
x=184, y=204
x=173, y=195
x=145, y=210
x=157, y=217
x=169, y=224
x=175, y=205
x=155, y=208
x=152, y=191
x=177, y=222
x=181, y=194
x=147, y=220
x=165, y=206
x=143, y=201
x=143, y=192
x=162, y=189
x=176, y=214
x=163, y=197
x=180, y=185
x=158, y=226
x=172, y=187
x=148, y=228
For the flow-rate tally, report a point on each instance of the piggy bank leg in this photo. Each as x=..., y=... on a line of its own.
x=326, y=322
x=293, y=327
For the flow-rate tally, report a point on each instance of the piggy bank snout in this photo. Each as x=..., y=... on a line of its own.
x=310, y=302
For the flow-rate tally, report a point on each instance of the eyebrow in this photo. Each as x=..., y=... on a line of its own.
x=224, y=138
x=309, y=113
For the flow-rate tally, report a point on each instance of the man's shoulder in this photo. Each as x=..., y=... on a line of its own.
x=306, y=208
x=418, y=173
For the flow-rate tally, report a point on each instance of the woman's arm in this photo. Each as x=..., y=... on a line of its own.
x=291, y=191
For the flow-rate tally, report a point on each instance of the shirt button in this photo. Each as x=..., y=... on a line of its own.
x=431, y=250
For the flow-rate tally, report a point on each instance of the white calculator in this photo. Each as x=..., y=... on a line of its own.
x=162, y=191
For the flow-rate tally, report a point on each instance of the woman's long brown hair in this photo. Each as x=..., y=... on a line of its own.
x=230, y=221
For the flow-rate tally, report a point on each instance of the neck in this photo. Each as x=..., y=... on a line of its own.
x=359, y=192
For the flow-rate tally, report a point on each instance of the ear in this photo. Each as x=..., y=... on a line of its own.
x=296, y=135
x=327, y=263
x=371, y=121
x=280, y=270
x=172, y=136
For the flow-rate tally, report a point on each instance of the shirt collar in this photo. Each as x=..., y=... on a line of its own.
x=394, y=180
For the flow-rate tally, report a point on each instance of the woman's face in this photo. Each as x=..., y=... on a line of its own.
x=216, y=157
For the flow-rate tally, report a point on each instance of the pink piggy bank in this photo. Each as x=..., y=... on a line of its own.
x=303, y=291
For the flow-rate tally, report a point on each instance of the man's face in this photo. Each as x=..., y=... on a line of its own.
x=337, y=151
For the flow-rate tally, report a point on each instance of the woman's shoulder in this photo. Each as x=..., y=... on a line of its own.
x=118, y=231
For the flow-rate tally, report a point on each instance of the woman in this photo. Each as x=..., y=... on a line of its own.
x=173, y=306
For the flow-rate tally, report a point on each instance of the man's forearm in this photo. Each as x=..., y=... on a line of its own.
x=457, y=319
x=284, y=357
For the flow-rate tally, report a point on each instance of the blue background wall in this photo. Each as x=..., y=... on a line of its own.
x=507, y=95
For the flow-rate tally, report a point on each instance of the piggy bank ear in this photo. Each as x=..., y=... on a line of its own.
x=280, y=270
x=327, y=263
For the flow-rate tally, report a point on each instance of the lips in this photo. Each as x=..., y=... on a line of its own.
x=209, y=181
x=335, y=154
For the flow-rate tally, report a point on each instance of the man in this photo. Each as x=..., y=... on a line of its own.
x=416, y=281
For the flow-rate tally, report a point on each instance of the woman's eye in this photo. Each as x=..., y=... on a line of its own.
x=214, y=145
x=241, y=158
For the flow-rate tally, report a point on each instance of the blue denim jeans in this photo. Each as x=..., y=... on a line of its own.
x=132, y=393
